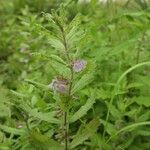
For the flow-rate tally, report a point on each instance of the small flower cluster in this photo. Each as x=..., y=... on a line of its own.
x=60, y=84
x=79, y=65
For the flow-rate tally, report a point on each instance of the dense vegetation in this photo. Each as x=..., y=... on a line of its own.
x=74, y=75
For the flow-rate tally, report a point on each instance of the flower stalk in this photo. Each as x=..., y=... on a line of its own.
x=66, y=113
x=64, y=86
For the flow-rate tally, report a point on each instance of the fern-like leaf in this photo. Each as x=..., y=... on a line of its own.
x=85, y=80
x=42, y=142
x=86, y=133
x=84, y=109
x=12, y=130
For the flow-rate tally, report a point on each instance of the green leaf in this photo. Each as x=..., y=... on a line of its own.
x=1, y=136
x=4, y=110
x=48, y=16
x=145, y=116
x=131, y=113
x=116, y=88
x=129, y=128
x=103, y=94
x=86, y=133
x=49, y=57
x=20, y=95
x=74, y=37
x=58, y=59
x=143, y=100
x=56, y=44
x=84, y=109
x=144, y=132
x=12, y=130
x=110, y=128
x=85, y=80
x=114, y=111
x=134, y=85
x=61, y=69
x=48, y=117
x=37, y=84
x=118, y=48
x=4, y=146
x=40, y=141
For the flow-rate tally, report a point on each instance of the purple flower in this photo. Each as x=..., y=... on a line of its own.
x=79, y=65
x=59, y=85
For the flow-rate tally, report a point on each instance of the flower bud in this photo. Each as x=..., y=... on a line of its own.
x=59, y=85
x=79, y=65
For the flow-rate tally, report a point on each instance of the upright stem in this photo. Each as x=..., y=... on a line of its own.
x=66, y=113
x=66, y=130
x=66, y=123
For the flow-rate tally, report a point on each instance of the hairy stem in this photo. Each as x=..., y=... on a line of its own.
x=66, y=130
x=66, y=123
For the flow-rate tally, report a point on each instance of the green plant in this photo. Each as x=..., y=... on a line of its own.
x=75, y=78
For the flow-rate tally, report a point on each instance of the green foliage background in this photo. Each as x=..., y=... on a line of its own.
x=112, y=98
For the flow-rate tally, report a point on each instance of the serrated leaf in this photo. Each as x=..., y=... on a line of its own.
x=118, y=48
x=134, y=85
x=143, y=132
x=129, y=128
x=131, y=112
x=12, y=130
x=86, y=133
x=19, y=94
x=103, y=94
x=61, y=69
x=56, y=44
x=58, y=59
x=49, y=57
x=85, y=80
x=37, y=84
x=145, y=116
x=114, y=111
x=144, y=80
x=48, y=117
x=84, y=109
x=76, y=21
x=110, y=128
x=74, y=36
x=4, y=110
x=143, y=100
x=43, y=142
x=48, y=16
